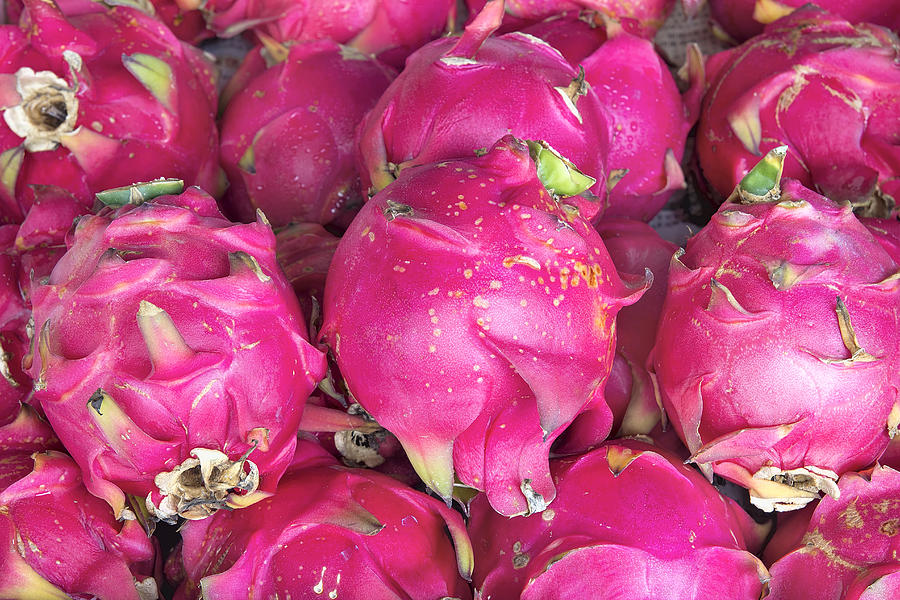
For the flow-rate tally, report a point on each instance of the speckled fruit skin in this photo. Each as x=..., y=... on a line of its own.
x=59, y=542
x=850, y=547
x=186, y=324
x=459, y=95
x=288, y=137
x=827, y=89
x=629, y=521
x=473, y=316
x=330, y=532
x=630, y=391
x=778, y=344
x=146, y=103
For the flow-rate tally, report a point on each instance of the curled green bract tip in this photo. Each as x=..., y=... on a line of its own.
x=138, y=193
x=763, y=182
x=558, y=174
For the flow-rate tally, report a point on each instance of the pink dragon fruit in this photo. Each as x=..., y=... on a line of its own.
x=642, y=17
x=630, y=391
x=60, y=542
x=472, y=314
x=342, y=533
x=777, y=353
x=825, y=88
x=649, y=120
x=288, y=137
x=188, y=25
x=98, y=97
x=171, y=357
x=629, y=521
x=740, y=20
x=850, y=547
x=459, y=95
x=390, y=29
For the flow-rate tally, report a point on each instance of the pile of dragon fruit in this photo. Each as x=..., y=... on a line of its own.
x=376, y=303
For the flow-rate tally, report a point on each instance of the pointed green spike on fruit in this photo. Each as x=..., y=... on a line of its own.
x=558, y=174
x=167, y=348
x=763, y=182
x=138, y=193
x=434, y=467
x=10, y=165
x=154, y=74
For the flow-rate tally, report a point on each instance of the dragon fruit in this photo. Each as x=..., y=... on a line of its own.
x=827, y=89
x=60, y=542
x=630, y=391
x=850, y=547
x=629, y=521
x=98, y=97
x=459, y=95
x=777, y=353
x=473, y=316
x=389, y=29
x=649, y=119
x=155, y=362
x=740, y=20
x=642, y=17
x=342, y=533
x=288, y=137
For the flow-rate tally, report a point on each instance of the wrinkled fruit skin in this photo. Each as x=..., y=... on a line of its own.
x=830, y=561
x=332, y=532
x=458, y=95
x=777, y=347
x=825, y=88
x=629, y=521
x=145, y=104
x=389, y=29
x=288, y=137
x=742, y=19
x=166, y=328
x=630, y=392
x=473, y=316
x=58, y=541
x=642, y=17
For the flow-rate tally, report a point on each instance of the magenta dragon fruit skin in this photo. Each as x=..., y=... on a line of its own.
x=157, y=336
x=648, y=118
x=825, y=88
x=777, y=352
x=332, y=532
x=640, y=17
x=473, y=316
x=60, y=542
x=459, y=95
x=288, y=137
x=101, y=97
x=629, y=521
x=743, y=19
x=850, y=547
x=389, y=29
x=630, y=391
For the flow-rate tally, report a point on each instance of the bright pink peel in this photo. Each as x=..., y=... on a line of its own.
x=355, y=534
x=100, y=97
x=777, y=351
x=459, y=95
x=629, y=521
x=453, y=295
x=169, y=341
